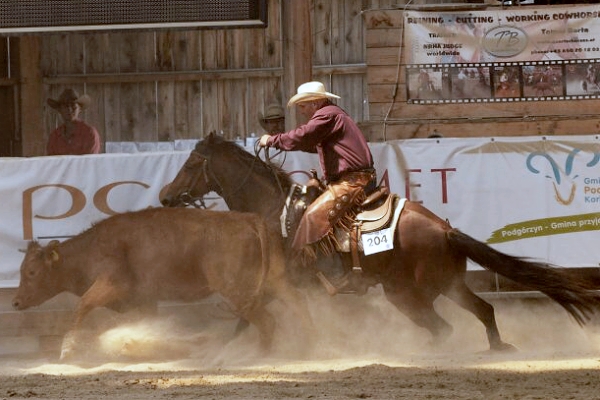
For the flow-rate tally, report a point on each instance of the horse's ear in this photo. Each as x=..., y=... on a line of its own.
x=214, y=138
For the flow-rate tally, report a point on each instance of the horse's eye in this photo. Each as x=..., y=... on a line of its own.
x=191, y=164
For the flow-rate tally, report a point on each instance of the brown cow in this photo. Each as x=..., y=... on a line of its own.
x=135, y=259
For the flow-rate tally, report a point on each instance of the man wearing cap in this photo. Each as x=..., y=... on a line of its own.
x=273, y=120
x=347, y=166
x=74, y=136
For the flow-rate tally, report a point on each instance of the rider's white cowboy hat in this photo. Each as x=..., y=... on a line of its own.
x=311, y=91
x=69, y=96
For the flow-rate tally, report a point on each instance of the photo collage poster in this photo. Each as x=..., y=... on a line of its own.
x=503, y=55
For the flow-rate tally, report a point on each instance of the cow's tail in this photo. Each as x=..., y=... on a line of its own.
x=574, y=295
x=266, y=248
x=256, y=299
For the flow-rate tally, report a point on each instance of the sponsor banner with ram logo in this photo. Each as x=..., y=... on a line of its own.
x=532, y=196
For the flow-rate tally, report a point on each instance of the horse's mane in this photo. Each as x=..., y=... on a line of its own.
x=267, y=170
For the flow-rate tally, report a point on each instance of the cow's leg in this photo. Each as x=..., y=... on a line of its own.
x=295, y=301
x=279, y=287
x=102, y=293
x=256, y=313
x=264, y=321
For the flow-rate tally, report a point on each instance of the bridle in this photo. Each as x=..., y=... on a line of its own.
x=209, y=178
x=185, y=197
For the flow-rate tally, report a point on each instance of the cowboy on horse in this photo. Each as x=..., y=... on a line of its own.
x=347, y=166
x=421, y=256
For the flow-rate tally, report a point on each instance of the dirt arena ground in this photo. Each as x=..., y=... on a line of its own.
x=365, y=350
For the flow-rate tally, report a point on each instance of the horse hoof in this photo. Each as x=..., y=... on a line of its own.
x=66, y=355
x=504, y=348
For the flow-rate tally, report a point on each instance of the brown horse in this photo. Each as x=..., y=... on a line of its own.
x=428, y=259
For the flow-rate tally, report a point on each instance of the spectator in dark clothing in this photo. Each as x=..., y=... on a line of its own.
x=273, y=120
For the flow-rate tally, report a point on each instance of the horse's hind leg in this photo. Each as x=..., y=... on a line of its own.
x=464, y=297
x=419, y=308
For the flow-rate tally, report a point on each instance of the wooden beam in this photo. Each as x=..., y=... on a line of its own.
x=31, y=95
x=170, y=76
x=8, y=81
x=297, y=49
x=377, y=131
x=182, y=76
x=341, y=69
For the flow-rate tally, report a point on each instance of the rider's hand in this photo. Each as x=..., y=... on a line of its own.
x=263, y=140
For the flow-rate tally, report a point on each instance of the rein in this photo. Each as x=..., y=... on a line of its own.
x=270, y=164
x=209, y=176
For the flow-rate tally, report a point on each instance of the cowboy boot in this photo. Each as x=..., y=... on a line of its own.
x=336, y=278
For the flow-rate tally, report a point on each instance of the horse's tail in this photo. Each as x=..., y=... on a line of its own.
x=574, y=295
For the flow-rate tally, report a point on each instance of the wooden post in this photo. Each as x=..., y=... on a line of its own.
x=31, y=95
x=297, y=50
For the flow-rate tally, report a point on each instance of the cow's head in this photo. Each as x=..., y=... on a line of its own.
x=38, y=275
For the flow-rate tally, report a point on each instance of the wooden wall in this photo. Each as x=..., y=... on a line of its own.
x=167, y=85
x=391, y=117
x=9, y=140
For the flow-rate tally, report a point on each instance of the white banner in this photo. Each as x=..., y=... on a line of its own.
x=535, y=197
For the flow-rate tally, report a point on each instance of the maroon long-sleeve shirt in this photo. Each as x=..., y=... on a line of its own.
x=334, y=136
x=85, y=140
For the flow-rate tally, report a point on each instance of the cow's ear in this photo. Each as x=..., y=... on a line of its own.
x=52, y=252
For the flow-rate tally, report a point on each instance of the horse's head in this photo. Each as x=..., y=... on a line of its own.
x=243, y=180
x=194, y=180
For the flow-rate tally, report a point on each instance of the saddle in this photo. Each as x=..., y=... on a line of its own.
x=376, y=218
x=376, y=223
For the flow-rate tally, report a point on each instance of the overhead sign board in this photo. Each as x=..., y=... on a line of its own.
x=31, y=16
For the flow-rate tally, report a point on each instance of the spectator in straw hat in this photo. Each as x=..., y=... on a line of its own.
x=347, y=166
x=74, y=136
x=273, y=121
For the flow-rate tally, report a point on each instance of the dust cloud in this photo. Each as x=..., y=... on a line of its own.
x=351, y=332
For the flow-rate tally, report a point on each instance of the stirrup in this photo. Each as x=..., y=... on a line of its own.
x=345, y=285
x=332, y=290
